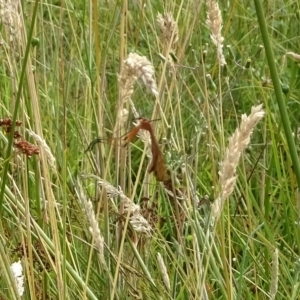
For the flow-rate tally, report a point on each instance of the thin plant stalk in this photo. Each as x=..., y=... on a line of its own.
x=277, y=89
x=17, y=104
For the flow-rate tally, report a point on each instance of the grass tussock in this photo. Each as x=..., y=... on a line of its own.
x=189, y=116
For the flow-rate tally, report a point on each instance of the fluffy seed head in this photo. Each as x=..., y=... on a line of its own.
x=237, y=144
x=168, y=28
x=10, y=18
x=136, y=67
x=214, y=22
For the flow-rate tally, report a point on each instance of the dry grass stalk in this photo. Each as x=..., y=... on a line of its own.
x=274, y=275
x=11, y=19
x=164, y=272
x=237, y=143
x=214, y=22
x=137, y=221
x=94, y=226
x=169, y=29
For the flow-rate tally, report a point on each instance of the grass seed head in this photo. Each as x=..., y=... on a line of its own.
x=214, y=22
x=168, y=28
x=294, y=55
x=91, y=217
x=164, y=272
x=10, y=18
x=237, y=144
x=136, y=67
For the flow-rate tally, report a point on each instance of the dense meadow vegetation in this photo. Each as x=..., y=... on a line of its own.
x=149, y=149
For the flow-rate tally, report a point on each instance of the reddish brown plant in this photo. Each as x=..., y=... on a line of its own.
x=6, y=123
x=26, y=148
x=20, y=143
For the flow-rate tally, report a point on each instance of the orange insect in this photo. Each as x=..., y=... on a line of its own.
x=157, y=164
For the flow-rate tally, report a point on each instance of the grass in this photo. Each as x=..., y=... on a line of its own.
x=72, y=222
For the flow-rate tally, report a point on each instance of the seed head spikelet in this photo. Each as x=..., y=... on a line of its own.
x=123, y=116
x=274, y=275
x=214, y=22
x=164, y=272
x=237, y=144
x=137, y=221
x=91, y=217
x=43, y=145
x=294, y=55
x=136, y=67
x=168, y=28
x=10, y=18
